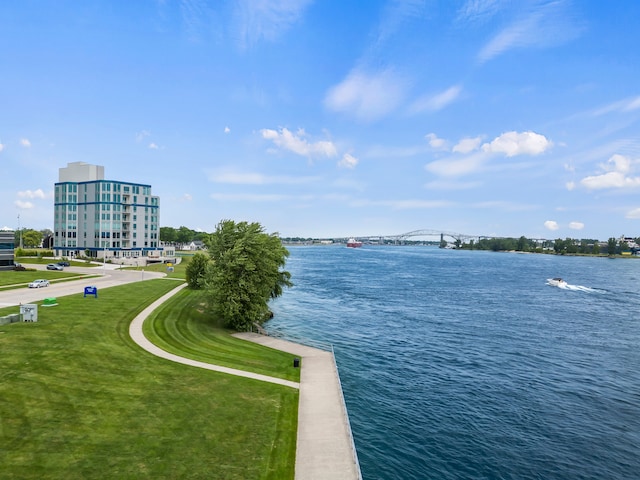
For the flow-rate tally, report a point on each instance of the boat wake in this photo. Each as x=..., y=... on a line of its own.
x=556, y=282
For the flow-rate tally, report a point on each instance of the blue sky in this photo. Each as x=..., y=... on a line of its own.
x=332, y=118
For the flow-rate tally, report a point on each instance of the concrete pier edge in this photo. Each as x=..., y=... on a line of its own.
x=325, y=445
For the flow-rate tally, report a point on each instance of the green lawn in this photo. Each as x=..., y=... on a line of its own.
x=78, y=399
x=44, y=261
x=181, y=326
x=178, y=270
x=12, y=278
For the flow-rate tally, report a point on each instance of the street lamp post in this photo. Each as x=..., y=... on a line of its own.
x=20, y=231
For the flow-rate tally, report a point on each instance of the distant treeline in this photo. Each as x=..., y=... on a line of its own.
x=583, y=246
x=181, y=236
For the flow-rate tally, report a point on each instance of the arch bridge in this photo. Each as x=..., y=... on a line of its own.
x=449, y=237
x=433, y=233
x=442, y=235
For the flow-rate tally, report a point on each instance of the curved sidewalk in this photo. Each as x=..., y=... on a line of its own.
x=324, y=446
x=135, y=331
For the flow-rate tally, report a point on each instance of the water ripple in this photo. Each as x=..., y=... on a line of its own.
x=459, y=365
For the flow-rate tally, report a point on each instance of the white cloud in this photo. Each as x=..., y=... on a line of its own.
x=348, y=161
x=544, y=24
x=297, y=143
x=435, y=142
x=227, y=129
x=401, y=204
x=551, y=225
x=187, y=197
x=23, y=205
x=510, y=144
x=31, y=194
x=450, y=167
x=467, y=145
x=633, y=214
x=474, y=10
x=253, y=178
x=266, y=20
x=433, y=103
x=620, y=106
x=141, y=135
x=367, y=96
x=615, y=175
x=349, y=184
x=514, y=143
x=576, y=225
x=396, y=14
x=449, y=185
x=506, y=206
x=570, y=185
x=25, y=142
x=194, y=16
x=1, y=147
x=153, y=146
x=249, y=197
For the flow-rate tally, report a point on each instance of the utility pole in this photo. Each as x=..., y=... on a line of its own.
x=20, y=231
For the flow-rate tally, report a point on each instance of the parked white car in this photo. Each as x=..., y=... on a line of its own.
x=39, y=283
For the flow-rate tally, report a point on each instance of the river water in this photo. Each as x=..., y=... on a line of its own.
x=467, y=365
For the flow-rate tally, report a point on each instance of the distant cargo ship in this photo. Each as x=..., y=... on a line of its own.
x=353, y=243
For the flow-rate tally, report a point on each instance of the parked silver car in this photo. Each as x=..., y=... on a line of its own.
x=54, y=266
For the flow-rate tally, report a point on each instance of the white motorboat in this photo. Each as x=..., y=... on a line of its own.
x=556, y=282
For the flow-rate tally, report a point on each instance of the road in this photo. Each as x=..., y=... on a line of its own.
x=108, y=277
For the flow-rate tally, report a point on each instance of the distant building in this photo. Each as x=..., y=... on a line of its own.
x=195, y=245
x=7, y=246
x=102, y=218
x=630, y=241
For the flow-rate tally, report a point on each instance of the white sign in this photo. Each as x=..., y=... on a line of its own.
x=29, y=312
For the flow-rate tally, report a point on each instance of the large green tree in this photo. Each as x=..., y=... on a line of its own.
x=30, y=238
x=196, y=271
x=245, y=273
x=184, y=235
x=168, y=234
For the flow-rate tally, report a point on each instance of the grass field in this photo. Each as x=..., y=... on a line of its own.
x=194, y=336
x=45, y=261
x=13, y=279
x=178, y=270
x=78, y=399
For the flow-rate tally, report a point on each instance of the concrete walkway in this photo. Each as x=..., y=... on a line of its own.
x=324, y=449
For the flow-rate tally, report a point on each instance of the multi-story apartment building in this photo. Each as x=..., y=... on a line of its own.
x=104, y=219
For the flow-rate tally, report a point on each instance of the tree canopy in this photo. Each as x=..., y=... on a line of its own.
x=181, y=236
x=196, y=271
x=30, y=238
x=244, y=273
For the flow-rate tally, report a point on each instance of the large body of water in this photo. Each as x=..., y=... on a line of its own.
x=466, y=365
